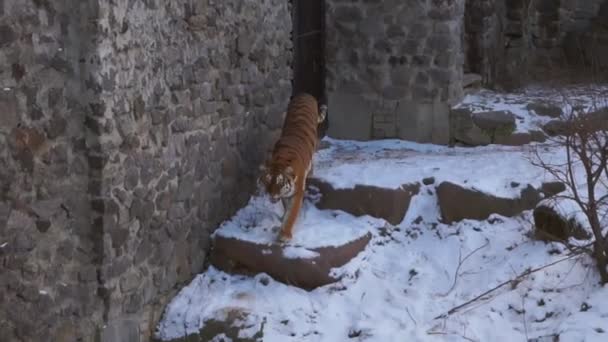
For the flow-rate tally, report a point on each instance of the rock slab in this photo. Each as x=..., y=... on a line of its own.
x=494, y=127
x=458, y=203
x=388, y=204
x=246, y=257
x=552, y=226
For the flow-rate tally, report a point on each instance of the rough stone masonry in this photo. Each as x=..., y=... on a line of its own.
x=129, y=129
x=394, y=67
x=512, y=43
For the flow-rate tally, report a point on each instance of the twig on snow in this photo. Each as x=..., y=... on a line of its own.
x=443, y=333
x=460, y=263
x=523, y=309
x=411, y=317
x=513, y=282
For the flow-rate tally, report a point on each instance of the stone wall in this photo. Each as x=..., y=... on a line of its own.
x=129, y=130
x=512, y=43
x=587, y=43
x=49, y=250
x=393, y=67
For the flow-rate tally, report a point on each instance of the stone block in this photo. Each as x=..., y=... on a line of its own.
x=394, y=93
x=9, y=108
x=424, y=122
x=495, y=121
x=388, y=204
x=458, y=203
x=371, y=26
x=129, y=282
x=120, y=331
x=463, y=130
x=7, y=35
x=551, y=225
x=440, y=133
x=244, y=257
x=347, y=13
x=351, y=116
x=402, y=76
x=384, y=130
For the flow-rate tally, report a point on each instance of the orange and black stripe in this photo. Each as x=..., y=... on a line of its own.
x=298, y=140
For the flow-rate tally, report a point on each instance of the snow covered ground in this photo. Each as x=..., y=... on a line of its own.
x=259, y=222
x=411, y=275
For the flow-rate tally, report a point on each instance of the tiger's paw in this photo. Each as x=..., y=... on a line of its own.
x=284, y=238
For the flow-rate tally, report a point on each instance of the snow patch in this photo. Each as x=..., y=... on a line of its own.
x=259, y=222
x=292, y=252
x=389, y=164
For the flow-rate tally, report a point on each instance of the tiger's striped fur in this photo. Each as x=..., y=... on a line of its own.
x=284, y=175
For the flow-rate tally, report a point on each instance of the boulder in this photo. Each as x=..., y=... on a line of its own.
x=458, y=203
x=555, y=127
x=520, y=138
x=501, y=121
x=599, y=118
x=545, y=109
x=495, y=127
x=550, y=189
x=552, y=226
x=308, y=272
x=388, y=204
x=594, y=121
x=428, y=180
x=463, y=130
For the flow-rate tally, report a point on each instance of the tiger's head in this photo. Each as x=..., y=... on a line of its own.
x=278, y=182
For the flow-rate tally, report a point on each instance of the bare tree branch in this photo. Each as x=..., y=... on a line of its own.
x=513, y=282
x=585, y=171
x=461, y=262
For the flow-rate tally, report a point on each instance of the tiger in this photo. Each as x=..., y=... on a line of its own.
x=283, y=176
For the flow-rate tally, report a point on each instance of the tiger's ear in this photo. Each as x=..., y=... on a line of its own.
x=323, y=109
x=322, y=113
x=264, y=166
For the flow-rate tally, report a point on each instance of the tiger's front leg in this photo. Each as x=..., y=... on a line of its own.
x=292, y=210
x=287, y=203
x=309, y=171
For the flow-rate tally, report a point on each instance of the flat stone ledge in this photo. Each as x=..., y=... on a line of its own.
x=237, y=256
x=458, y=203
x=388, y=204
